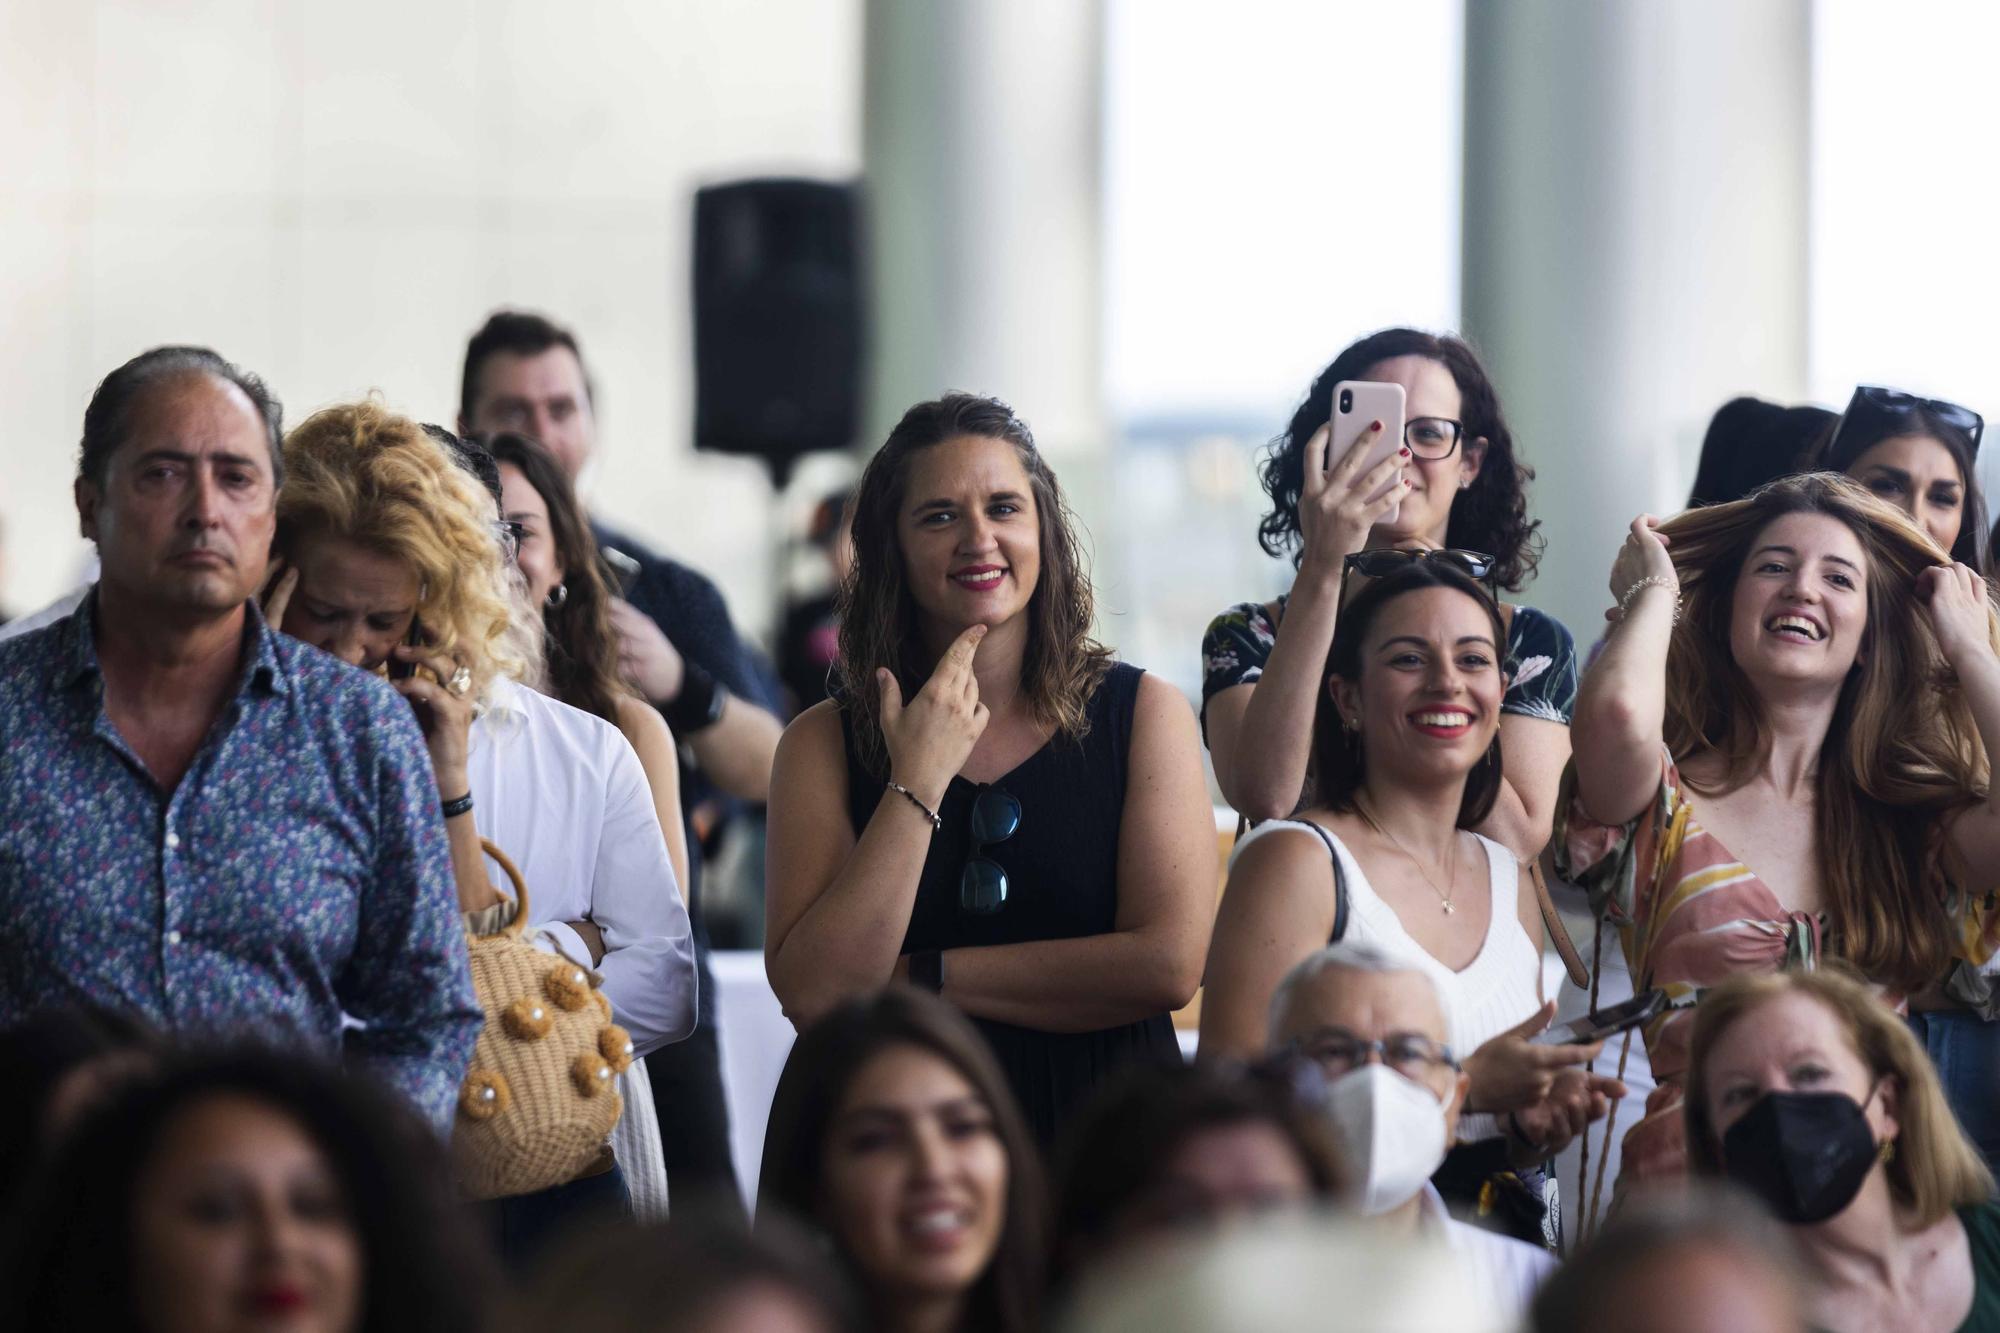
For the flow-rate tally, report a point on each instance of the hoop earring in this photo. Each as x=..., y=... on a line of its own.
x=558, y=597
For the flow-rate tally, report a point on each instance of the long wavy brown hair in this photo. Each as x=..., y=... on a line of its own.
x=1902, y=753
x=878, y=616
x=582, y=648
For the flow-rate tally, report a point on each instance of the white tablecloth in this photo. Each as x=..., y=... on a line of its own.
x=756, y=1038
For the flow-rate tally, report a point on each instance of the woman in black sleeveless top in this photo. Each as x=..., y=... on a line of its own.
x=989, y=806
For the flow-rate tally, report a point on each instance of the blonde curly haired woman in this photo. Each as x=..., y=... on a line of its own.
x=398, y=563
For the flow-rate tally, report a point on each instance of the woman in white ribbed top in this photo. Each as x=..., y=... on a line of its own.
x=1406, y=756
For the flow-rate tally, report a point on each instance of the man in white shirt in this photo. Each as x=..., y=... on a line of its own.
x=1376, y=1029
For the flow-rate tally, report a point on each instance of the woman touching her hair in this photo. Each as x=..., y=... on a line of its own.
x=1461, y=487
x=989, y=805
x=1781, y=755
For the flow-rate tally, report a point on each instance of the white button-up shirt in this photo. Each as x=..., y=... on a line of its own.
x=1510, y=1270
x=561, y=791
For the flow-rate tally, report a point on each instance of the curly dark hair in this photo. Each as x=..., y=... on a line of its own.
x=69, y=1262
x=878, y=616
x=1491, y=515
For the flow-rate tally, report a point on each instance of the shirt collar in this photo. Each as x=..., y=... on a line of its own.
x=76, y=659
x=503, y=712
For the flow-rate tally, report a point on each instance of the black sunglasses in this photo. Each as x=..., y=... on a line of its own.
x=1374, y=564
x=982, y=885
x=1873, y=403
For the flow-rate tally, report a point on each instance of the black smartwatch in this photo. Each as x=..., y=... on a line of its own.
x=699, y=704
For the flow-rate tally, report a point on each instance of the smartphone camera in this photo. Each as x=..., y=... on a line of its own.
x=1347, y=400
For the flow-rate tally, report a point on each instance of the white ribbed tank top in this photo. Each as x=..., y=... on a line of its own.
x=1499, y=988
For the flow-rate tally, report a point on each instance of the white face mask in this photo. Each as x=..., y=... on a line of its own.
x=1391, y=1133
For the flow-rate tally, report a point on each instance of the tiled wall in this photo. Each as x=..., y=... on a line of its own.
x=335, y=194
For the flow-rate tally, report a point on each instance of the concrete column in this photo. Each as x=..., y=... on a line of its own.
x=1635, y=246
x=982, y=152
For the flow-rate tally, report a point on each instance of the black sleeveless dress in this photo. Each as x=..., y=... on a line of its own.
x=1062, y=872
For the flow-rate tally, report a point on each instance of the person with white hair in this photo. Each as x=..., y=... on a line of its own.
x=1374, y=1025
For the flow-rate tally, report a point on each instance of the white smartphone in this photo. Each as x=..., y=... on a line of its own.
x=1356, y=404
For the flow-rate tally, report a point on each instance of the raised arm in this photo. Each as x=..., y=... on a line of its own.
x=836, y=907
x=1278, y=908
x=1621, y=706
x=1150, y=963
x=1960, y=610
x=1260, y=732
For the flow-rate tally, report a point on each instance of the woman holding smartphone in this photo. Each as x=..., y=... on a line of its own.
x=1781, y=755
x=1407, y=752
x=989, y=805
x=391, y=539
x=1461, y=487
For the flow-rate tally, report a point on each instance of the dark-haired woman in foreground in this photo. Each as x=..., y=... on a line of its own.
x=892, y=1131
x=244, y=1191
x=1462, y=487
x=990, y=805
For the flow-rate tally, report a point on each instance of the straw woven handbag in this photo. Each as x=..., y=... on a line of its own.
x=539, y=1100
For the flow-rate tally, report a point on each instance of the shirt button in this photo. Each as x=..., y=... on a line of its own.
x=173, y=937
x=173, y=840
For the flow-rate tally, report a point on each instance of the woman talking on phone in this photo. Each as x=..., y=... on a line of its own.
x=989, y=805
x=1781, y=755
x=398, y=560
x=1460, y=487
x=1407, y=755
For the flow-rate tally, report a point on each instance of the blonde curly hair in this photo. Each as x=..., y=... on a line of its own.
x=367, y=475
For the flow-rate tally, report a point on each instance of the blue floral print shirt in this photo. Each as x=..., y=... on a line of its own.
x=297, y=874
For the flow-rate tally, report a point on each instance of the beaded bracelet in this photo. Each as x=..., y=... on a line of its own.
x=910, y=796
x=1651, y=581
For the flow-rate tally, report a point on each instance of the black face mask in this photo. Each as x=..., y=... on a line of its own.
x=1804, y=1154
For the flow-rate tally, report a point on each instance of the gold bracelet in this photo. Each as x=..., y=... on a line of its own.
x=1651, y=581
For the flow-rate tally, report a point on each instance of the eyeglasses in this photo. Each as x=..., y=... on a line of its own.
x=1873, y=403
x=982, y=885
x=1337, y=1052
x=510, y=534
x=1433, y=438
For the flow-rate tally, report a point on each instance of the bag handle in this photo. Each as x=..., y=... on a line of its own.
x=1339, y=883
x=513, y=929
x=1552, y=921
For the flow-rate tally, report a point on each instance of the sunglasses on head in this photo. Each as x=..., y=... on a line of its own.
x=1375, y=564
x=1874, y=404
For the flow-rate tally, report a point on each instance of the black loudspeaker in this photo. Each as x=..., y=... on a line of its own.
x=777, y=319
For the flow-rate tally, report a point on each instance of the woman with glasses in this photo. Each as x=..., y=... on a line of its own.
x=1461, y=487
x=1407, y=752
x=989, y=805
x=1780, y=756
x=557, y=557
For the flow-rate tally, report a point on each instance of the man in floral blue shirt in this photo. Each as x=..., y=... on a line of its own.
x=202, y=821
